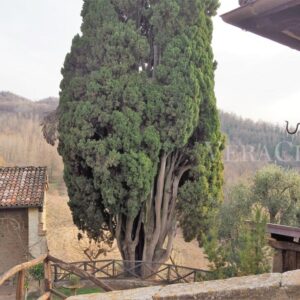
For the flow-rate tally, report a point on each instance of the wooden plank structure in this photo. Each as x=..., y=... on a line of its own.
x=286, y=242
x=278, y=20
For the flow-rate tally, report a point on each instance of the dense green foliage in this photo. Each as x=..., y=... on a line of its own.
x=233, y=247
x=278, y=190
x=138, y=123
x=274, y=188
x=246, y=252
x=37, y=272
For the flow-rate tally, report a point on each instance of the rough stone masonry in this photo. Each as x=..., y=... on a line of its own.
x=273, y=286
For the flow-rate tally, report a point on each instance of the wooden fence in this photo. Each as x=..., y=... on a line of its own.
x=20, y=271
x=122, y=269
x=95, y=271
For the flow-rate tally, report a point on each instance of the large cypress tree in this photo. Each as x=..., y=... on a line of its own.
x=138, y=125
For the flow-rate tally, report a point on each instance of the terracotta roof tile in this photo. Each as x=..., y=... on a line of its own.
x=22, y=186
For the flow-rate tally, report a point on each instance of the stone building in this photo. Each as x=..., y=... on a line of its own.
x=22, y=214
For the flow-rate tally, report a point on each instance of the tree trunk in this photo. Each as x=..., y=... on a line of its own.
x=149, y=236
x=272, y=217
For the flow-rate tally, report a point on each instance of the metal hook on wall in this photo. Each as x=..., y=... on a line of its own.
x=291, y=132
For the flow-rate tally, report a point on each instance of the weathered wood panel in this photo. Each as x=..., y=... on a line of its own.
x=289, y=260
x=277, y=262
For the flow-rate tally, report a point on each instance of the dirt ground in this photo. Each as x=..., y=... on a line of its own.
x=63, y=243
x=7, y=292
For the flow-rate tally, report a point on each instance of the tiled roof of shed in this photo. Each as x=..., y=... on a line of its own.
x=22, y=186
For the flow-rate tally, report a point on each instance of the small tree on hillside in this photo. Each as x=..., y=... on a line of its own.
x=274, y=188
x=278, y=190
x=234, y=211
x=138, y=123
x=235, y=249
x=253, y=251
x=244, y=253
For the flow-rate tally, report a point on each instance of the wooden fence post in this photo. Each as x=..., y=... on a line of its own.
x=47, y=276
x=55, y=273
x=94, y=266
x=169, y=271
x=20, y=293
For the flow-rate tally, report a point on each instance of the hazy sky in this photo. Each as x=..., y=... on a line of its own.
x=256, y=78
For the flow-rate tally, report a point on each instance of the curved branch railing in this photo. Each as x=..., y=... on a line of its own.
x=20, y=271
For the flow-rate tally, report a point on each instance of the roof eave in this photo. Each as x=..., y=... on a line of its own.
x=283, y=230
x=37, y=206
x=256, y=17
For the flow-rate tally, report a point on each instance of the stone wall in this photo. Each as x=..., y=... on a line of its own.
x=21, y=236
x=115, y=284
x=36, y=241
x=13, y=238
x=273, y=286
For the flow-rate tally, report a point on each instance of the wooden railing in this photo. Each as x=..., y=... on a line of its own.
x=96, y=271
x=20, y=271
x=122, y=269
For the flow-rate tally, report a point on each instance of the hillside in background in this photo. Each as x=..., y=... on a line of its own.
x=249, y=146
x=257, y=134
x=21, y=140
x=11, y=103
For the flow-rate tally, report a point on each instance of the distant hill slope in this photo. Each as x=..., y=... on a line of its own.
x=11, y=103
x=239, y=131
x=262, y=136
x=246, y=131
x=22, y=143
x=21, y=139
x=266, y=139
x=247, y=141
